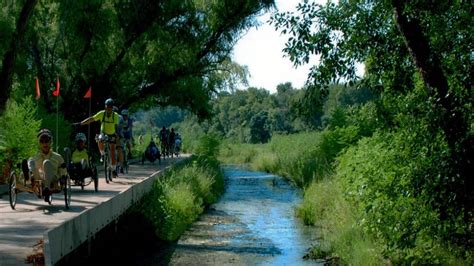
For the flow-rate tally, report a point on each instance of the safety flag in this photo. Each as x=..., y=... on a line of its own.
x=56, y=91
x=38, y=93
x=88, y=94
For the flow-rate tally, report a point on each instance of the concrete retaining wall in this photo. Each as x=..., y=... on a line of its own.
x=60, y=241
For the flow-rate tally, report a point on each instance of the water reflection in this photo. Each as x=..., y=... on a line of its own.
x=253, y=222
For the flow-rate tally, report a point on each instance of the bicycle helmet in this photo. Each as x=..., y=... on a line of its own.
x=81, y=136
x=109, y=102
x=45, y=132
x=124, y=112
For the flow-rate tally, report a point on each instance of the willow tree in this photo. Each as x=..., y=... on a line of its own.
x=139, y=52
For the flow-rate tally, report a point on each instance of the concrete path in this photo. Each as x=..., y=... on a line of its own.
x=22, y=228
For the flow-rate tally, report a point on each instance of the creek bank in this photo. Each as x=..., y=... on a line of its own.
x=252, y=224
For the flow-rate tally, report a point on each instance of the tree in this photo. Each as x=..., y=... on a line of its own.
x=9, y=57
x=419, y=52
x=146, y=52
x=259, y=132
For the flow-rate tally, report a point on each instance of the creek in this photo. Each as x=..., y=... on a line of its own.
x=253, y=223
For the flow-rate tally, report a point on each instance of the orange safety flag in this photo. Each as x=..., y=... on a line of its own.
x=88, y=94
x=56, y=91
x=38, y=93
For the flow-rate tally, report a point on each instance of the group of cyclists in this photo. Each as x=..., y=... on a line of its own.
x=170, y=142
x=115, y=127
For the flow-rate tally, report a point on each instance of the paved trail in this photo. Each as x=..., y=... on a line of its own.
x=22, y=228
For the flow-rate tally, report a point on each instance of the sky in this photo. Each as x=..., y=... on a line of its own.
x=261, y=51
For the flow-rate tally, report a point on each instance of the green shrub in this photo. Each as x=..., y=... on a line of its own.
x=325, y=207
x=180, y=208
x=19, y=129
x=208, y=146
x=181, y=195
x=392, y=180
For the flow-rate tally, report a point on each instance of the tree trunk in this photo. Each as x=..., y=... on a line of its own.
x=9, y=59
x=452, y=121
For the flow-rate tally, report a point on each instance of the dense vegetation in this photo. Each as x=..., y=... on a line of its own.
x=386, y=160
x=141, y=53
x=182, y=194
x=387, y=179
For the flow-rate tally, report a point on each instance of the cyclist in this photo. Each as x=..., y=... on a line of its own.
x=163, y=136
x=120, y=139
x=80, y=156
x=46, y=164
x=127, y=131
x=109, y=123
x=171, y=137
x=177, y=143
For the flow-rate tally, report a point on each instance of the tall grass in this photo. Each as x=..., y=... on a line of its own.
x=368, y=196
x=181, y=195
x=301, y=158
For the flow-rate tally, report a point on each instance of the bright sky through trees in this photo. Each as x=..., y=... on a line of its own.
x=261, y=50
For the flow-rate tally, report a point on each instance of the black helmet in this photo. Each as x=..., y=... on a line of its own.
x=109, y=102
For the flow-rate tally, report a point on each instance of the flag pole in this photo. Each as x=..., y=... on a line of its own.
x=89, y=126
x=57, y=123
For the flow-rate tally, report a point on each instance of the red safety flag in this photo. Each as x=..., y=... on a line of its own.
x=88, y=94
x=56, y=91
x=38, y=93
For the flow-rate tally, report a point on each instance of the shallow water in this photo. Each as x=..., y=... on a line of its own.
x=253, y=223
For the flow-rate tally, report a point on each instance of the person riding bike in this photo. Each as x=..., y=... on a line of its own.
x=109, y=123
x=46, y=164
x=163, y=136
x=119, y=140
x=80, y=156
x=171, y=137
x=127, y=131
x=177, y=143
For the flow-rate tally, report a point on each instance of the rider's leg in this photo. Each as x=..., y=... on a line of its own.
x=100, y=144
x=120, y=153
x=129, y=148
x=49, y=174
x=120, y=156
x=112, y=155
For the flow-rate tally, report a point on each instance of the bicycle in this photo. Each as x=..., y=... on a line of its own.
x=107, y=159
x=35, y=185
x=122, y=166
x=164, y=148
x=125, y=154
x=82, y=177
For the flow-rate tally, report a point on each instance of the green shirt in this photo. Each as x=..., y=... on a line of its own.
x=108, y=123
x=78, y=155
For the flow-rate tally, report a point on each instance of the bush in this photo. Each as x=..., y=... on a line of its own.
x=181, y=195
x=393, y=182
x=19, y=129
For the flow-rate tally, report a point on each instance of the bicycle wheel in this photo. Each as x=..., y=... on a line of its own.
x=125, y=162
x=67, y=191
x=13, y=190
x=109, y=173
x=106, y=167
x=95, y=177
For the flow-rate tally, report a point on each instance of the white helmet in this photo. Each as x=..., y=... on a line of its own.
x=80, y=136
x=125, y=112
